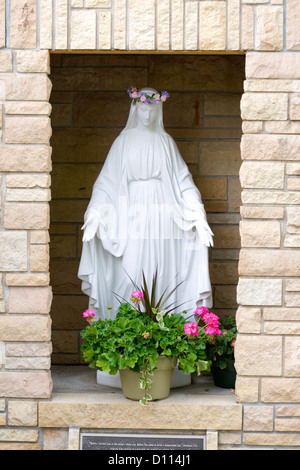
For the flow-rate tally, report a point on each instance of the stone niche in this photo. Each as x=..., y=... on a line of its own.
x=89, y=108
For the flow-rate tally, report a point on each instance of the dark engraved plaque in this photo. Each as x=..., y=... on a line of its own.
x=137, y=442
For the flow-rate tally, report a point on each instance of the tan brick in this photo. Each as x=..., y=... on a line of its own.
x=141, y=33
x=264, y=175
x=226, y=159
x=246, y=389
x=27, y=279
x=262, y=65
x=177, y=25
x=233, y=32
x=55, y=439
x=30, y=300
x=6, y=64
x=258, y=355
x=22, y=180
x=13, y=253
x=248, y=212
x=283, y=314
x=280, y=390
x=270, y=197
x=28, y=130
x=261, y=234
x=269, y=28
x=28, y=363
x=2, y=24
x=264, y=106
x=270, y=262
x=293, y=19
x=119, y=32
x=25, y=385
x=259, y=291
x=46, y=24
x=28, y=195
x=33, y=61
x=22, y=349
x=163, y=25
x=61, y=24
x=25, y=328
x=39, y=258
x=292, y=355
x=247, y=30
x=294, y=107
x=98, y=4
x=27, y=87
x=28, y=107
x=28, y=216
x=105, y=35
x=212, y=34
x=83, y=30
x=271, y=439
x=18, y=435
x=270, y=147
x=258, y=418
x=191, y=26
x=248, y=320
x=23, y=24
x=22, y=413
x=25, y=158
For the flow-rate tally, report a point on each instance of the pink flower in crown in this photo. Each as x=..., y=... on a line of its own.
x=156, y=97
x=191, y=329
x=163, y=98
x=143, y=98
x=89, y=315
x=201, y=311
x=134, y=94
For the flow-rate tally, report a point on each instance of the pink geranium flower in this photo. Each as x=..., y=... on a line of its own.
x=201, y=311
x=137, y=294
x=191, y=329
x=89, y=315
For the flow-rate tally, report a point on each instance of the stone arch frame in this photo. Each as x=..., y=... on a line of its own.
x=268, y=316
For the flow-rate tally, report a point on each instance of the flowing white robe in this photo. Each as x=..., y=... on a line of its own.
x=149, y=213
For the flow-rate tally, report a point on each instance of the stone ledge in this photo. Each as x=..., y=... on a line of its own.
x=198, y=406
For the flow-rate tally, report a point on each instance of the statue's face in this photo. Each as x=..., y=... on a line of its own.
x=147, y=113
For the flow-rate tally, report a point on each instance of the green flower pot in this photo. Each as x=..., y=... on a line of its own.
x=161, y=381
x=224, y=378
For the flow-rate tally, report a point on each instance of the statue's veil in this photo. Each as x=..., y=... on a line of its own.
x=132, y=118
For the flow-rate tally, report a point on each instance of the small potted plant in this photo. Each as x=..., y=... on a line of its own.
x=220, y=351
x=144, y=342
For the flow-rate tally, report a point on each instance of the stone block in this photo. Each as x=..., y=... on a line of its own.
x=292, y=357
x=191, y=26
x=28, y=130
x=212, y=34
x=260, y=234
x=27, y=216
x=248, y=320
x=259, y=292
x=55, y=439
x=25, y=385
x=27, y=107
x=46, y=24
x=270, y=147
x=258, y=355
x=264, y=106
x=285, y=263
x=39, y=258
x=247, y=27
x=279, y=65
x=27, y=349
x=119, y=25
x=269, y=28
x=295, y=107
x=163, y=25
x=233, y=28
x=22, y=413
x=2, y=24
x=83, y=29
x=61, y=24
x=25, y=328
x=25, y=158
x=98, y=4
x=27, y=87
x=283, y=314
x=246, y=389
x=27, y=279
x=33, y=61
x=248, y=212
x=23, y=24
x=13, y=253
x=28, y=195
x=177, y=31
x=293, y=20
x=293, y=220
x=141, y=33
x=18, y=435
x=262, y=175
x=105, y=33
x=28, y=363
x=29, y=300
x=6, y=61
x=258, y=418
x=280, y=390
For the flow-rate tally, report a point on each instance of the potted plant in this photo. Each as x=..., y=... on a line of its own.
x=220, y=351
x=145, y=342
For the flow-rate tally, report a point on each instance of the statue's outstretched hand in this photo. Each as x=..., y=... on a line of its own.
x=205, y=233
x=90, y=226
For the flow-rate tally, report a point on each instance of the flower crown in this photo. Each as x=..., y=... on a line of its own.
x=142, y=97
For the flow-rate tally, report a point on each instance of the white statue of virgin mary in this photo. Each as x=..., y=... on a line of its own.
x=145, y=215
